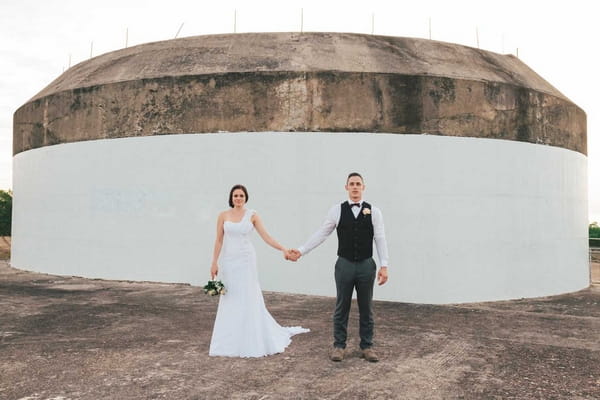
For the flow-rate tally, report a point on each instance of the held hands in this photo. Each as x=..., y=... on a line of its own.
x=292, y=254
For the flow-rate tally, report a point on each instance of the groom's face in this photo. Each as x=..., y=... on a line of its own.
x=355, y=188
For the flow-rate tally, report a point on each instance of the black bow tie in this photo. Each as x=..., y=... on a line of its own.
x=355, y=205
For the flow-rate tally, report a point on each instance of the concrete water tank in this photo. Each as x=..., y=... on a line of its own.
x=122, y=164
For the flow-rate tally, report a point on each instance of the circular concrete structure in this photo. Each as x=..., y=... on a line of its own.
x=478, y=164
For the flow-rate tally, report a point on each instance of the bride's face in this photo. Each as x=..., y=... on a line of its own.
x=238, y=198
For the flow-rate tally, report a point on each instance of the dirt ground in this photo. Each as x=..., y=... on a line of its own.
x=73, y=338
x=4, y=247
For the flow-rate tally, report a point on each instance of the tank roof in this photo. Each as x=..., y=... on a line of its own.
x=298, y=52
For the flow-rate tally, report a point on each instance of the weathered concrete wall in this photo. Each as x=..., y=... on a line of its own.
x=293, y=101
x=291, y=82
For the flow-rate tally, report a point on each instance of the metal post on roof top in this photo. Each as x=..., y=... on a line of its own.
x=372, y=23
x=429, y=28
x=179, y=30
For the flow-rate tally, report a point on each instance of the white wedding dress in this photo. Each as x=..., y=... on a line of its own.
x=243, y=326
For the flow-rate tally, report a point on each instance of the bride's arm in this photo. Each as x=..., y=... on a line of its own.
x=214, y=268
x=260, y=228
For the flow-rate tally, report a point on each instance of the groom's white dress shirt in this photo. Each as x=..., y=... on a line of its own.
x=331, y=221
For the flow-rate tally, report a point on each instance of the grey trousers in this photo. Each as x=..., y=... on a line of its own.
x=348, y=276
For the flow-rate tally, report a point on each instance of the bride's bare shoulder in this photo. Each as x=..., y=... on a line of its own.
x=224, y=214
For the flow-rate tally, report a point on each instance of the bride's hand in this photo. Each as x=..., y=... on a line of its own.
x=291, y=255
x=214, y=270
x=288, y=254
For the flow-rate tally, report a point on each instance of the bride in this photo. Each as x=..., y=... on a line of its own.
x=243, y=326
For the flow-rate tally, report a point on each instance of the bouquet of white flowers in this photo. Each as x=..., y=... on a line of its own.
x=214, y=288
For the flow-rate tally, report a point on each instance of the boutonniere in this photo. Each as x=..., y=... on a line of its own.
x=366, y=211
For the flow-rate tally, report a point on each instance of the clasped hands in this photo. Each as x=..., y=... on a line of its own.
x=292, y=254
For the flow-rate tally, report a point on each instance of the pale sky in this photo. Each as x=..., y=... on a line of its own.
x=557, y=39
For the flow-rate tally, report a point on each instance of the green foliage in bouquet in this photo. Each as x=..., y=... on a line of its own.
x=214, y=288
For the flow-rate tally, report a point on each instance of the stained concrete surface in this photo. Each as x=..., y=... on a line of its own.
x=309, y=82
x=74, y=338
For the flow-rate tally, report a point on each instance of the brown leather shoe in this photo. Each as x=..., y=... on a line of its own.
x=337, y=354
x=370, y=355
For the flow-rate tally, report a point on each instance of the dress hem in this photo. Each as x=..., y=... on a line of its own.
x=294, y=330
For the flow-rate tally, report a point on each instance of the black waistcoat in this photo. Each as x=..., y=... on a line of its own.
x=355, y=235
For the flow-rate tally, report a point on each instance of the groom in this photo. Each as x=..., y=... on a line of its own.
x=358, y=224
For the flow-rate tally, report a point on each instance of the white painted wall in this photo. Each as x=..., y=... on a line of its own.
x=466, y=219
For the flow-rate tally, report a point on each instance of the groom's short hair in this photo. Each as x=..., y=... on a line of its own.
x=351, y=174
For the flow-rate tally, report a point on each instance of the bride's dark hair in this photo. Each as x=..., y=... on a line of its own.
x=234, y=188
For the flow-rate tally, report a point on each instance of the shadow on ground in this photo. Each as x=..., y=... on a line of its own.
x=74, y=338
